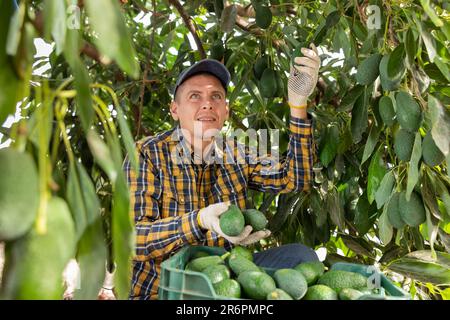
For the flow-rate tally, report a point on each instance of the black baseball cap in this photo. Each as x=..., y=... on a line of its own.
x=210, y=66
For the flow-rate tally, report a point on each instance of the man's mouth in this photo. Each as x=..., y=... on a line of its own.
x=206, y=119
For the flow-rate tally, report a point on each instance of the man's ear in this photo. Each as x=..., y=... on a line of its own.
x=174, y=110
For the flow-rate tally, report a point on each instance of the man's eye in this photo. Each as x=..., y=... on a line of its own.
x=195, y=95
x=217, y=96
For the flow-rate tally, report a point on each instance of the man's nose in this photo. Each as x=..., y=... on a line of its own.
x=207, y=104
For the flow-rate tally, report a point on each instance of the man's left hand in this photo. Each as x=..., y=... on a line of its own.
x=303, y=77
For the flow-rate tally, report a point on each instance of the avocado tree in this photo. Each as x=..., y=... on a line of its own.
x=381, y=190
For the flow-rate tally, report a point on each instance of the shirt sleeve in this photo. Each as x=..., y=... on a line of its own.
x=294, y=172
x=156, y=237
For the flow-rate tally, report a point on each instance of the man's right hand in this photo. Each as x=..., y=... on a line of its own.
x=209, y=218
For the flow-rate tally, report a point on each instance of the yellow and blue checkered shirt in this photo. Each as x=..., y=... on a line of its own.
x=166, y=194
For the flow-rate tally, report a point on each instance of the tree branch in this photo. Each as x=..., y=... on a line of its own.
x=190, y=25
x=87, y=49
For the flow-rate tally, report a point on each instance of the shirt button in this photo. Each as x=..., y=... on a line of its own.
x=182, y=200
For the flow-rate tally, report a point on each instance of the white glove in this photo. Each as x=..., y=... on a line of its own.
x=255, y=237
x=303, y=77
x=209, y=218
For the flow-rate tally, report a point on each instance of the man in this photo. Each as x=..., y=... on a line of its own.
x=177, y=202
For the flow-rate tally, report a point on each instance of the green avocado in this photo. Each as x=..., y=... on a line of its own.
x=311, y=270
x=256, y=219
x=368, y=69
x=431, y=154
x=256, y=284
x=232, y=221
x=412, y=211
x=409, y=114
x=291, y=281
x=403, y=144
x=340, y=279
x=320, y=292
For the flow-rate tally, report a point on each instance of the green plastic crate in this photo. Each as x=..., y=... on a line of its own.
x=388, y=290
x=179, y=284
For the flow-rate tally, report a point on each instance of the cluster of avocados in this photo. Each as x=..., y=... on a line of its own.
x=235, y=275
x=233, y=221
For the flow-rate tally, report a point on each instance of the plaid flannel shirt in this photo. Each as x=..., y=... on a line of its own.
x=167, y=194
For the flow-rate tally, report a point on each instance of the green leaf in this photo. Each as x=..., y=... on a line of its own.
x=75, y=201
x=91, y=257
x=168, y=27
x=443, y=67
x=372, y=140
x=413, y=172
x=359, y=117
x=410, y=46
x=362, y=210
x=55, y=22
x=384, y=191
x=428, y=40
x=228, y=18
x=82, y=79
x=91, y=201
x=102, y=154
x=127, y=139
x=113, y=38
x=396, y=62
x=377, y=170
x=421, y=266
x=318, y=208
x=123, y=235
x=329, y=149
x=385, y=228
x=431, y=13
x=11, y=87
x=332, y=19
x=335, y=208
x=440, y=119
x=349, y=99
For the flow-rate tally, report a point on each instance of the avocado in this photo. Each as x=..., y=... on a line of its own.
x=263, y=16
x=350, y=294
x=242, y=252
x=19, y=193
x=291, y=281
x=260, y=66
x=239, y=265
x=37, y=260
x=217, y=273
x=268, y=83
x=256, y=284
x=387, y=83
x=311, y=271
x=199, y=254
x=386, y=110
x=320, y=292
x=278, y=294
x=393, y=212
x=368, y=69
x=232, y=221
x=403, y=144
x=200, y=264
x=228, y=288
x=256, y=219
x=217, y=50
x=412, y=211
x=431, y=154
x=340, y=279
x=409, y=114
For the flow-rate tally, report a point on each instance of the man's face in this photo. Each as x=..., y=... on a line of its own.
x=200, y=106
